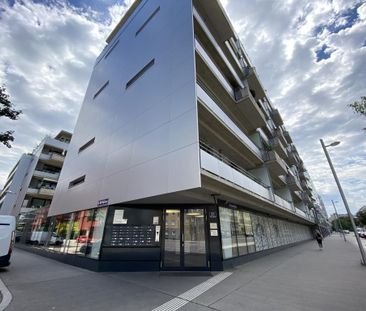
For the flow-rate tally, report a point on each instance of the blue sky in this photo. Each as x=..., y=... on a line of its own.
x=310, y=56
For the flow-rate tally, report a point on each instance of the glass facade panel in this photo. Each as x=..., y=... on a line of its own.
x=172, y=238
x=96, y=233
x=240, y=232
x=59, y=233
x=82, y=237
x=228, y=237
x=249, y=232
x=194, y=238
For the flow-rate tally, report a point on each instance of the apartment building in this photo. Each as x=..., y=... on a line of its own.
x=31, y=183
x=179, y=160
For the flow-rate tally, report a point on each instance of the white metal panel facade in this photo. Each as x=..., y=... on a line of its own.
x=146, y=135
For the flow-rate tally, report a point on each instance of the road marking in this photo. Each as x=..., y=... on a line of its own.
x=7, y=297
x=178, y=302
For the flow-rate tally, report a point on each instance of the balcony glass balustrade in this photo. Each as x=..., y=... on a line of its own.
x=204, y=98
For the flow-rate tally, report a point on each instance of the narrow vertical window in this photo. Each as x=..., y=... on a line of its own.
x=86, y=145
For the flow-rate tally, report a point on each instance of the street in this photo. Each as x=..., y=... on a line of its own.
x=299, y=278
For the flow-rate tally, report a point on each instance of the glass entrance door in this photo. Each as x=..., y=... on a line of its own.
x=185, y=246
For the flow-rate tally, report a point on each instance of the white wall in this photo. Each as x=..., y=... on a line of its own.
x=146, y=137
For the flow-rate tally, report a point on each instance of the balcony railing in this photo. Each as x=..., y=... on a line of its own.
x=215, y=70
x=41, y=191
x=216, y=110
x=219, y=165
x=293, y=183
x=276, y=117
x=43, y=174
x=52, y=156
x=277, y=145
x=275, y=163
x=300, y=212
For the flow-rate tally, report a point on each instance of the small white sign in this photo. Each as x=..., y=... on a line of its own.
x=214, y=233
x=118, y=217
x=213, y=225
x=155, y=220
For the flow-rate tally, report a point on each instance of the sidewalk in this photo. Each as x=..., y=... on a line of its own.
x=298, y=278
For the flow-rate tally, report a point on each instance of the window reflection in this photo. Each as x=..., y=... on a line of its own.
x=96, y=233
x=228, y=234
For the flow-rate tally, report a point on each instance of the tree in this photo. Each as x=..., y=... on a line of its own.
x=7, y=110
x=359, y=106
x=361, y=216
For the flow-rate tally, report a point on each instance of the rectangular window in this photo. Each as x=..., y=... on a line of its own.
x=140, y=73
x=101, y=89
x=86, y=145
x=111, y=49
x=77, y=181
x=147, y=21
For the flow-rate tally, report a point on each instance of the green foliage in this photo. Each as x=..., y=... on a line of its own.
x=7, y=111
x=359, y=106
x=345, y=223
x=361, y=217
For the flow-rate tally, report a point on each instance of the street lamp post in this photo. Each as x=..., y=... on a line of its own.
x=339, y=222
x=362, y=251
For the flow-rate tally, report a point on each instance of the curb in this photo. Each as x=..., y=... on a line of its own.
x=6, y=295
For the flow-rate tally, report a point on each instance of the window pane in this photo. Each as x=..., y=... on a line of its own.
x=83, y=237
x=228, y=238
x=249, y=232
x=57, y=236
x=96, y=232
x=240, y=232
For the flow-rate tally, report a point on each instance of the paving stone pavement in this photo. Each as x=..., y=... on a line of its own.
x=298, y=278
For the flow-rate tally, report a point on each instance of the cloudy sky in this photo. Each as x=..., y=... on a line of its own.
x=310, y=55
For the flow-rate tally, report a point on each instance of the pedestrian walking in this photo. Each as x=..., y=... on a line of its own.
x=319, y=238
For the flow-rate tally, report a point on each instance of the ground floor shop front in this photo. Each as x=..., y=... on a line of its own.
x=159, y=237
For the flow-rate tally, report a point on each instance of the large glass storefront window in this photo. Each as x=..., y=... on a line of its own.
x=78, y=233
x=249, y=232
x=240, y=232
x=96, y=233
x=228, y=234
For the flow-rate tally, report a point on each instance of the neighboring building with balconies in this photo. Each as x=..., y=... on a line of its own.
x=179, y=159
x=31, y=183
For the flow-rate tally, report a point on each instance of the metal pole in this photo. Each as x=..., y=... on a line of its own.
x=362, y=251
x=339, y=222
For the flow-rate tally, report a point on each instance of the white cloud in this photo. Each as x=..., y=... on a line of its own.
x=46, y=59
x=312, y=96
x=48, y=52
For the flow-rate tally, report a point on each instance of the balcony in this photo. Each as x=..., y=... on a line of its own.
x=47, y=175
x=276, y=165
x=305, y=185
x=303, y=176
x=254, y=83
x=279, y=134
x=41, y=192
x=293, y=158
x=231, y=172
x=278, y=147
x=293, y=183
x=215, y=123
x=296, y=195
x=250, y=109
x=300, y=212
x=52, y=158
x=286, y=134
x=276, y=117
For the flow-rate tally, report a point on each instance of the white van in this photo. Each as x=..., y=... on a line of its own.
x=7, y=239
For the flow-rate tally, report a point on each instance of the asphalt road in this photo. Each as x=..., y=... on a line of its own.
x=299, y=278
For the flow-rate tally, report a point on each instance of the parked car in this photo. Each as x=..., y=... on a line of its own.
x=362, y=234
x=83, y=239
x=346, y=231
x=7, y=239
x=40, y=237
